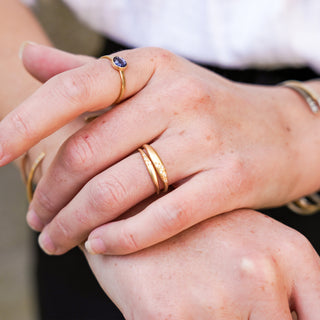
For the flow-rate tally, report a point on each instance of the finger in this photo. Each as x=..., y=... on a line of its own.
x=306, y=294
x=104, y=198
x=185, y=206
x=44, y=62
x=206, y=194
x=92, y=149
x=90, y=87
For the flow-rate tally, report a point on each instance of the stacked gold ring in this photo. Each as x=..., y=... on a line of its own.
x=155, y=167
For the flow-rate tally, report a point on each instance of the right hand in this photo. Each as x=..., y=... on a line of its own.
x=213, y=136
x=239, y=265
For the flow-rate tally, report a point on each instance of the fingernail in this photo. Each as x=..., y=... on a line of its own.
x=34, y=221
x=23, y=46
x=46, y=243
x=95, y=246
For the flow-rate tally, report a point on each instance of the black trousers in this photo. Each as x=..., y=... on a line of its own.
x=66, y=288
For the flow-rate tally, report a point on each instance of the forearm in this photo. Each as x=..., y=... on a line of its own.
x=17, y=25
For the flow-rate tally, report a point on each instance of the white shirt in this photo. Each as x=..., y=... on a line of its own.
x=227, y=33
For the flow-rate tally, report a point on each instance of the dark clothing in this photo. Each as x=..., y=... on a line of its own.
x=67, y=289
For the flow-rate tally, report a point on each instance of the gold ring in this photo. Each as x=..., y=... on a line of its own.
x=30, y=186
x=304, y=206
x=158, y=165
x=120, y=65
x=151, y=170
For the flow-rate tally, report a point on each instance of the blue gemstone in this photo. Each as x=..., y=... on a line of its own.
x=119, y=62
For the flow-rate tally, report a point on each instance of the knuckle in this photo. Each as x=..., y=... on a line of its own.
x=128, y=241
x=42, y=198
x=64, y=231
x=173, y=217
x=78, y=153
x=108, y=193
x=74, y=87
x=259, y=267
x=84, y=219
x=21, y=124
x=162, y=56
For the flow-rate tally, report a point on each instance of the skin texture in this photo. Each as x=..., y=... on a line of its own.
x=240, y=265
x=212, y=134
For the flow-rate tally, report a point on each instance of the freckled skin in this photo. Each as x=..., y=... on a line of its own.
x=215, y=270
x=236, y=176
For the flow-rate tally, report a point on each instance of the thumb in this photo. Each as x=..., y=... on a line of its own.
x=44, y=62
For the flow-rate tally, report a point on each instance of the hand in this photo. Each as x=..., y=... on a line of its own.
x=240, y=265
x=225, y=146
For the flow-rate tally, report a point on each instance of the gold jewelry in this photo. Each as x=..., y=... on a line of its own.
x=306, y=205
x=23, y=168
x=309, y=204
x=158, y=165
x=30, y=186
x=120, y=65
x=151, y=170
x=312, y=99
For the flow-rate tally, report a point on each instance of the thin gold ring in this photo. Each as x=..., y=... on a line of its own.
x=120, y=65
x=151, y=170
x=29, y=186
x=303, y=206
x=158, y=165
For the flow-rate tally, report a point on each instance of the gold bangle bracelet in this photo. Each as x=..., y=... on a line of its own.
x=311, y=98
x=309, y=204
x=29, y=185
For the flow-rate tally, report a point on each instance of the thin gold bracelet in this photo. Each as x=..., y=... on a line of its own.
x=311, y=98
x=30, y=187
x=309, y=204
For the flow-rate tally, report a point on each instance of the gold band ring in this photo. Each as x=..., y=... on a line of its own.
x=120, y=65
x=29, y=185
x=158, y=165
x=152, y=171
x=306, y=205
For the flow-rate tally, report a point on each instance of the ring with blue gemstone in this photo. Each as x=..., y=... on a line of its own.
x=119, y=64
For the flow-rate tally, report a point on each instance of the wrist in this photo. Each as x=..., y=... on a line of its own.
x=304, y=127
x=291, y=140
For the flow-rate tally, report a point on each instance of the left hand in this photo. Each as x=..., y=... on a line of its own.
x=239, y=265
x=225, y=146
